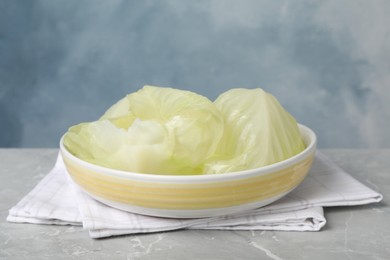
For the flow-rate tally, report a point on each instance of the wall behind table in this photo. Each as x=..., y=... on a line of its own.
x=64, y=62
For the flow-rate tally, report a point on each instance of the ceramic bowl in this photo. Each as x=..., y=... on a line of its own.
x=192, y=196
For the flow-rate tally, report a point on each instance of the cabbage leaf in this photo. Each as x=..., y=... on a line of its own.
x=258, y=132
x=154, y=130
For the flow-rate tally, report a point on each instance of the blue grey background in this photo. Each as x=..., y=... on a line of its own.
x=64, y=62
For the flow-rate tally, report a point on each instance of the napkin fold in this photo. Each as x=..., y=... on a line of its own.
x=57, y=200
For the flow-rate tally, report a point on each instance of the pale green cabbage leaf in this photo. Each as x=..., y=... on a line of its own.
x=258, y=132
x=154, y=130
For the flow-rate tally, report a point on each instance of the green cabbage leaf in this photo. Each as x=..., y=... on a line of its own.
x=258, y=132
x=154, y=130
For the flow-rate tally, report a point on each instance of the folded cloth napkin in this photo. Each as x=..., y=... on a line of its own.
x=57, y=200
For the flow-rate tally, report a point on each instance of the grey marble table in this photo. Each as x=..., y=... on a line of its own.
x=360, y=232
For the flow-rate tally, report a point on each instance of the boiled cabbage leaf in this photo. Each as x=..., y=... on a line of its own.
x=258, y=132
x=154, y=130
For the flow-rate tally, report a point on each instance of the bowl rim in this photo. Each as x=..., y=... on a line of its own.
x=307, y=134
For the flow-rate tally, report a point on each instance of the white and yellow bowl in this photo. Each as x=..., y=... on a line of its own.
x=192, y=196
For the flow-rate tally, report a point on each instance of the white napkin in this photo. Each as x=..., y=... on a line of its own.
x=56, y=200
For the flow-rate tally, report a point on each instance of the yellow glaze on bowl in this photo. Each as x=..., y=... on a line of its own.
x=196, y=195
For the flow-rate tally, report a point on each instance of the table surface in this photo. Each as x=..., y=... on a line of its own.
x=358, y=232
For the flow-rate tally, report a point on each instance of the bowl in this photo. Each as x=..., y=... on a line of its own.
x=192, y=196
